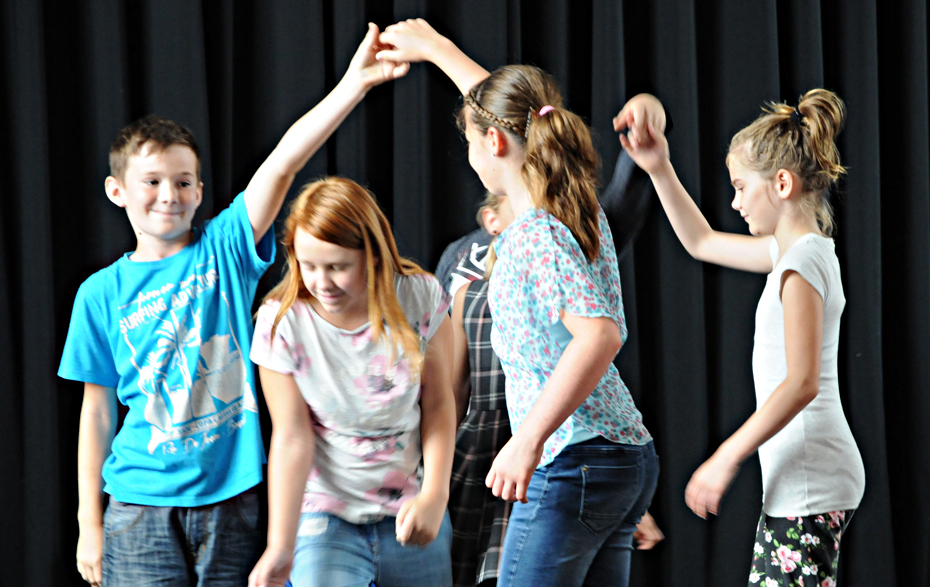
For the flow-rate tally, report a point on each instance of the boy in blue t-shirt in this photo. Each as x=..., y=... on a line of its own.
x=166, y=331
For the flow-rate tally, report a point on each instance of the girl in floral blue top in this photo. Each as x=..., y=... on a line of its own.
x=581, y=465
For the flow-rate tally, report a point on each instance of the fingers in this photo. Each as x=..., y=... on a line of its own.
x=521, y=492
x=389, y=55
x=692, y=499
x=404, y=523
x=620, y=121
x=625, y=143
x=92, y=573
x=400, y=70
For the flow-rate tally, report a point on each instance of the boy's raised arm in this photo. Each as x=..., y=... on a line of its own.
x=265, y=192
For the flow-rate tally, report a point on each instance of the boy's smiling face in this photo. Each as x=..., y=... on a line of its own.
x=160, y=192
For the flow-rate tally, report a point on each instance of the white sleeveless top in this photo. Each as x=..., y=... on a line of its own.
x=812, y=466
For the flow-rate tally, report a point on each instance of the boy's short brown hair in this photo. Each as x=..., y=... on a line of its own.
x=159, y=133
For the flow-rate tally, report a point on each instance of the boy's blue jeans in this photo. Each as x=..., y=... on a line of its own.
x=331, y=552
x=577, y=528
x=213, y=545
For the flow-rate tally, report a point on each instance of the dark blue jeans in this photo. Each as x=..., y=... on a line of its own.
x=577, y=528
x=213, y=545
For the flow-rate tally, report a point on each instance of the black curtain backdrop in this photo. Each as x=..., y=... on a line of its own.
x=238, y=73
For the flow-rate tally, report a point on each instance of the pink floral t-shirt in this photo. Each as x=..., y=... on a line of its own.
x=365, y=409
x=540, y=272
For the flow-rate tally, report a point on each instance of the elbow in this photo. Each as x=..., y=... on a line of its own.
x=611, y=340
x=807, y=391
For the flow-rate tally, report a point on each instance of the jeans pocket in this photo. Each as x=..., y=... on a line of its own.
x=608, y=493
x=120, y=517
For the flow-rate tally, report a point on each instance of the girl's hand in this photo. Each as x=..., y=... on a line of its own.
x=639, y=111
x=411, y=40
x=647, y=147
x=90, y=553
x=708, y=484
x=513, y=468
x=647, y=533
x=370, y=71
x=419, y=519
x=273, y=569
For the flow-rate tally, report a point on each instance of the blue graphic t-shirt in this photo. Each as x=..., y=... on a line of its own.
x=173, y=336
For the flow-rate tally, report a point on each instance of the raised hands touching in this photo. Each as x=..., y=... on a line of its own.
x=415, y=40
x=370, y=70
x=643, y=117
x=410, y=40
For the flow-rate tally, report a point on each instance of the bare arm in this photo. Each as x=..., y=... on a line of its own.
x=461, y=367
x=415, y=40
x=419, y=519
x=289, y=464
x=649, y=149
x=595, y=342
x=265, y=192
x=803, y=309
x=98, y=426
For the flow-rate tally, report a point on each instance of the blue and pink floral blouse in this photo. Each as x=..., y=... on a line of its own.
x=541, y=271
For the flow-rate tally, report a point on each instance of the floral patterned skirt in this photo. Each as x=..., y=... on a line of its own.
x=800, y=551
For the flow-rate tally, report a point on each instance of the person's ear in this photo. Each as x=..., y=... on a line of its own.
x=491, y=221
x=114, y=191
x=785, y=183
x=497, y=141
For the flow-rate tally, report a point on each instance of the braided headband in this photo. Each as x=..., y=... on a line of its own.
x=472, y=102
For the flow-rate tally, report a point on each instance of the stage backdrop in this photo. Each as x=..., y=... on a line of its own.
x=238, y=73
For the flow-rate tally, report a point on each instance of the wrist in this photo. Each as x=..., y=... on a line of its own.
x=434, y=492
x=280, y=544
x=352, y=87
x=531, y=437
x=728, y=455
x=88, y=522
x=662, y=170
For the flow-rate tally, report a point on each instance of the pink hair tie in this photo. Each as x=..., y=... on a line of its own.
x=545, y=109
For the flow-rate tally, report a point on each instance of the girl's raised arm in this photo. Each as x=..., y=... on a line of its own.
x=649, y=149
x=289, y=463
x=415, y=40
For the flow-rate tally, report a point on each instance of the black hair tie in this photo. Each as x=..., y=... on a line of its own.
x=796, y=116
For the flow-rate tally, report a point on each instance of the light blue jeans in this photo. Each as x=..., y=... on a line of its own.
x=207, y=546
x=331, y=552
x=577, y=528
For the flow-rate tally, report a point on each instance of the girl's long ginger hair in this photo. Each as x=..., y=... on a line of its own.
x=341, y=212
